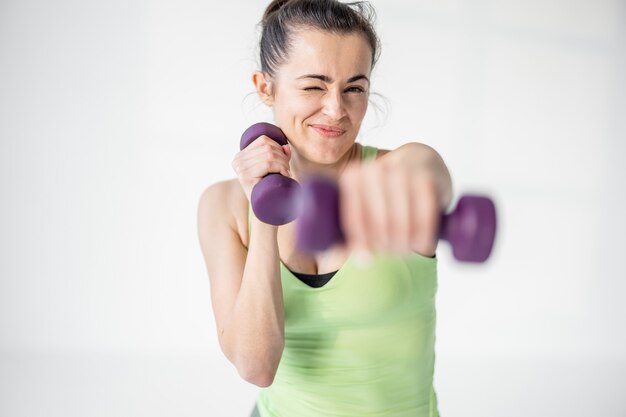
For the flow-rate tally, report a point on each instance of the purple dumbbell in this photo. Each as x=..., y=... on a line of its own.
x=470, y=228
x=272, y=197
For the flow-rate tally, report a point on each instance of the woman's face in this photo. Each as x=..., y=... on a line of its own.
x=324, y=84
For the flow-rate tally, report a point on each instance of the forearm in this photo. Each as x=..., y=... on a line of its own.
x=254, y=334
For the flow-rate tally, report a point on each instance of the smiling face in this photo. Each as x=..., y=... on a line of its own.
x=320, y=94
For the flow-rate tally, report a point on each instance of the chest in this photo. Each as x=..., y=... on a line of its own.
x=312, y=264
x=390, y=293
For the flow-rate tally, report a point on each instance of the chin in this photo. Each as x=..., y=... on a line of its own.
x=323, y=150
x=328, y=155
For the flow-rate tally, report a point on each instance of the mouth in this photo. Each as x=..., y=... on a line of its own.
x=328, y=131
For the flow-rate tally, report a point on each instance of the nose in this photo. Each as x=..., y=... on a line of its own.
x=333, y=105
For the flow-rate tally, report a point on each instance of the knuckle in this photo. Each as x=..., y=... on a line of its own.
x=267, y=141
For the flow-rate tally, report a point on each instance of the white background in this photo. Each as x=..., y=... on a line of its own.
x=114, y=117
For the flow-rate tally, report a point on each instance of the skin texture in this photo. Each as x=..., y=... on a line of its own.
x=392, y=204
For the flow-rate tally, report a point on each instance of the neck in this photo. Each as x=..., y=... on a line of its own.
x=301, y=167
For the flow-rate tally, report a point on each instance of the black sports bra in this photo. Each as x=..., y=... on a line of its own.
x=313, y=280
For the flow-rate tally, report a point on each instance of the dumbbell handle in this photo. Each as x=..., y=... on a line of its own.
x=470, y=228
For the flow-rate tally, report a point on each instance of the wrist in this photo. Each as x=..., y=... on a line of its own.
x=261, y=226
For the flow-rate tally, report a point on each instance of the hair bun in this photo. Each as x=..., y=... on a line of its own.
x=273, y=8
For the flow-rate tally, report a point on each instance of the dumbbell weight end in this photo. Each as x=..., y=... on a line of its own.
x=470, y=228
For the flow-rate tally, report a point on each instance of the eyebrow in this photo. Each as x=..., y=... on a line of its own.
x=327, y=79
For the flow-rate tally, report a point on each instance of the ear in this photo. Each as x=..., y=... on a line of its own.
x=263, y=85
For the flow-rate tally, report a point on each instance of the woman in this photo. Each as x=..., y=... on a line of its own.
x=328, y=334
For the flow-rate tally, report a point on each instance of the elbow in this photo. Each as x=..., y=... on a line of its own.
x=260, y=370
x=262, y=379
x=255, y=365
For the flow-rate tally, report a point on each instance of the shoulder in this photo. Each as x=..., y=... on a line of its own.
x=411, y=148
x=382, y=152
x=225, y=201
x=222, y=194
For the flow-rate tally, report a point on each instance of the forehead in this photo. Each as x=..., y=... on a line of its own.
x=336, y=55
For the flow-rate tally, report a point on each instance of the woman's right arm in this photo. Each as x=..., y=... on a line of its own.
x=246, y=291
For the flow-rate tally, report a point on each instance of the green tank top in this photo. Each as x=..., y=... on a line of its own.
x=362, y=345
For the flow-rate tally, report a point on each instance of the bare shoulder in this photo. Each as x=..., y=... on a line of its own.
x=382, y=152
x=413, y=148
x=225, y=201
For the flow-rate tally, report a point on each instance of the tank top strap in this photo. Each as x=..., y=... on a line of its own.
x=368, y=152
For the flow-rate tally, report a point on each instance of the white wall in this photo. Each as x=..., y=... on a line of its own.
x=114, y=116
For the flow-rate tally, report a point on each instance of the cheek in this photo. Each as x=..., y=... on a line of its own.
x=296, y=108
x=357, y=109
x=304, y=104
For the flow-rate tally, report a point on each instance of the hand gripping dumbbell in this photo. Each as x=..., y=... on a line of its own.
x=273, y=197
x=470, y=228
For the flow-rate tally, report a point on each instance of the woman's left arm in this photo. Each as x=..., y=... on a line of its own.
x=395, y=202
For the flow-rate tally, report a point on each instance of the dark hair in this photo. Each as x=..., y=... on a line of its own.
x=283, y=17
